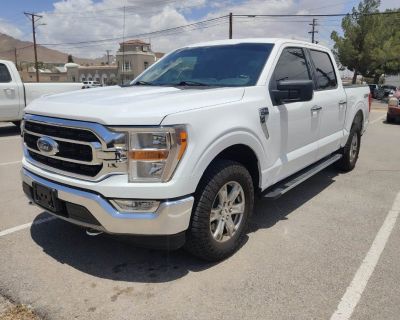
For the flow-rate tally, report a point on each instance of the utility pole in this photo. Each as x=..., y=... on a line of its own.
x=230, y=25
x=34, y=17
x=108, y=56
x=313, y=31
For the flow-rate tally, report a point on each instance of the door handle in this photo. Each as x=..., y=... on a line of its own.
x=9, y=89
x=316, y=108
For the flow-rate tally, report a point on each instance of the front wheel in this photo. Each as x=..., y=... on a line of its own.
x=351, y=150
x=17, y=123
x=223, y=203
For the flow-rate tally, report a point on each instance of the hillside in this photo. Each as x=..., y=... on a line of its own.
x=25, y=52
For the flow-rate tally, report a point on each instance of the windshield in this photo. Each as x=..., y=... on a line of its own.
x=225, y=65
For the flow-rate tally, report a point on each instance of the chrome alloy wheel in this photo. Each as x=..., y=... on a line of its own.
x=353, y=147
x=227, y=211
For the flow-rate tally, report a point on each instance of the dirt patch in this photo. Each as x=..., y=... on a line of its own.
x=19, y=312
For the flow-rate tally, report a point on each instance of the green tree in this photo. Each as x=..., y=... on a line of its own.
x=370, y=42
x=70, y=58
x=352, y=49
x=385, y=45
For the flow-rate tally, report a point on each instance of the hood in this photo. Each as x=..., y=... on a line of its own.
x=134, y=105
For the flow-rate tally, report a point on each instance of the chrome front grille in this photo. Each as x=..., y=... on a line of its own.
x=85, y=150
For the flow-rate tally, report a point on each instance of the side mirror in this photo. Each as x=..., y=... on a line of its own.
x=293, y=91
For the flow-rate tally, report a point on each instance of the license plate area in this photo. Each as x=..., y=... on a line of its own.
x=46, y=197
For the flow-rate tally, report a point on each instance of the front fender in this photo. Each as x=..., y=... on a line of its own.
x=225, y=141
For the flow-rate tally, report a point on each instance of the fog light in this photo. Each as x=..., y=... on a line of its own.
x=135, y=206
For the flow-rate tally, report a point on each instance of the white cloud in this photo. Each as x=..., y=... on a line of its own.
x=82, y=20
x=10, y=29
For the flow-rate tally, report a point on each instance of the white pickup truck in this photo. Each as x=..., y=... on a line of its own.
x=16, y=95
x=178, y=157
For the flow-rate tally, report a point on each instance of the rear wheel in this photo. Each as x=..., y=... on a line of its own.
x=389, y=119
x=223, y=203
x=351, y=150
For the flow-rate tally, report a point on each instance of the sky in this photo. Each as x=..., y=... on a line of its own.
x=71, y=21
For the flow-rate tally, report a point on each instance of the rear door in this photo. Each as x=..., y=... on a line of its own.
x=9, y=96
x=298, y=123
x=331, y=99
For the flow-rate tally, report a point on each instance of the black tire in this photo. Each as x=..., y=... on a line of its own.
x=199, y=239
x=17, y=123
x=348, y=161
x=389, y=119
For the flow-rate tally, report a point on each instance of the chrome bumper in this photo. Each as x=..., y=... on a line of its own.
x=171, y=217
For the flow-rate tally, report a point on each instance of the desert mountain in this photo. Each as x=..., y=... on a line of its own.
x=25, y=52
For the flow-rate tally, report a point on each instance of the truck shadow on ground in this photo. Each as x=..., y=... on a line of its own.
x=111, y=258
x=9, y=131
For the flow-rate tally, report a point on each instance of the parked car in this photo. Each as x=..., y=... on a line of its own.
x=16, y=95
x=393, y=113
x=90, y=84
x=373, y=88
x=385, y=91
x=178, y=157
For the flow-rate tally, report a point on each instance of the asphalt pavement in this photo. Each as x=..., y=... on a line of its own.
x=327, y=247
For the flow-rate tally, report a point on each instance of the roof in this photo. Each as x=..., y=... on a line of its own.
x=278, y=41
x=105, y=67
x=61, y=69
x=135, y=42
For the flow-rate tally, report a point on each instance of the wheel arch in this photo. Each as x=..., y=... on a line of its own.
x=241, y=148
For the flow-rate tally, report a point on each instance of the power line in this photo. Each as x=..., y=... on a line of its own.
x=21, y=48
x=140, y=36
x=137, y=35
x=316, y=15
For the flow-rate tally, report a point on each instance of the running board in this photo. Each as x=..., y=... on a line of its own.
x=289, y=183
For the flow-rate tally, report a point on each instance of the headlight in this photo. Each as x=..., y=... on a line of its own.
x=154, y=153
x=393, y=102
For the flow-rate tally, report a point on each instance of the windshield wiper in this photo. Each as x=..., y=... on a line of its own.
x=142, y=83
x=192, y=83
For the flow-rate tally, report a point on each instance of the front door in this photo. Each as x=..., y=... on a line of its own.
x=9, y=96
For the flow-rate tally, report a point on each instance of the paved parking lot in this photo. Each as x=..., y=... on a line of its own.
x=317, y=244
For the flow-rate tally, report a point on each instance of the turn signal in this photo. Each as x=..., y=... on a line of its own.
x=148, y=155
x=183, y=143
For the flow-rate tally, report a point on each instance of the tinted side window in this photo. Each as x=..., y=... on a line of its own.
x=292, y=65
x=4, y=74
x=326, y=77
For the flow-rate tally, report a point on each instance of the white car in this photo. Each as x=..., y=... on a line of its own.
x=91, y=84
x=178, y=157
x=16, y=95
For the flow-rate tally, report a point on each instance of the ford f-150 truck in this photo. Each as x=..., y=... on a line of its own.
x=15, y=95
x=178, y=156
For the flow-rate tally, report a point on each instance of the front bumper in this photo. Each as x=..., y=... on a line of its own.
x=92, y=210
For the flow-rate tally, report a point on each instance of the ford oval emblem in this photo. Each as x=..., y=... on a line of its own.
x=47, y=146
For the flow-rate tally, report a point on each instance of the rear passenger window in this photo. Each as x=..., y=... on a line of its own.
x=326, y=77
x=292, y=65
x=4, y=74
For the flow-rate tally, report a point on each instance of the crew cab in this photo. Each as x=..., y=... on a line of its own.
x=178, y=157
x=15, y=95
